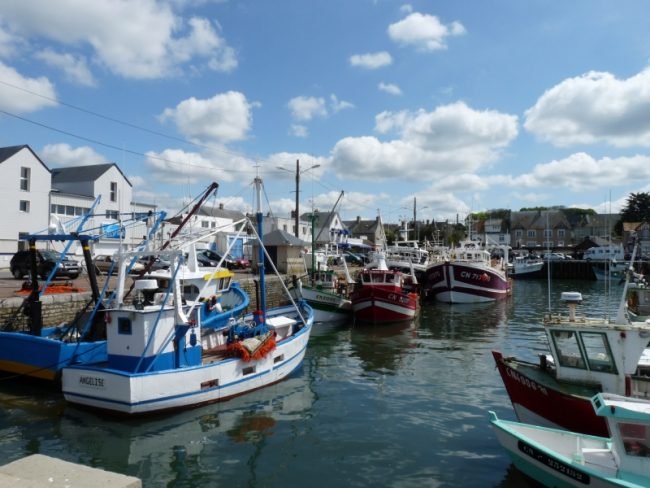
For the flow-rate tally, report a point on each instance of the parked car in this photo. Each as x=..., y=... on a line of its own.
x=104, y=263
x=45, y=262
x=353, y=258
x=159, y=263
x=230, y=262
x=553, y=256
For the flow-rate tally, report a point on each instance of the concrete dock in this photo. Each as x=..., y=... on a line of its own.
x=39, y=471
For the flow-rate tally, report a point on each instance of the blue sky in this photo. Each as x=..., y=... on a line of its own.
x=463, y=106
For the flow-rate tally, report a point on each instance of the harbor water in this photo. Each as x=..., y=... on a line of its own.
x=400, y=406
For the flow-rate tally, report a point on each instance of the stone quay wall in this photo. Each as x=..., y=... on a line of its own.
x=61, y=308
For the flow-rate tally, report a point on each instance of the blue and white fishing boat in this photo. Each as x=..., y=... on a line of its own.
x=559, y=458
x=160, y=357
x=211, y=291
x=37, y=350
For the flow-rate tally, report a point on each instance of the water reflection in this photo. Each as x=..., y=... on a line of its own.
x=381, y=348
x=165, y=447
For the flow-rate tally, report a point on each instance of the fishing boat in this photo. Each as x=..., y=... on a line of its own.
x=587, y=355
x=467, y=275
x=211, y=290
x=36, y=349
x=555, y=457
x=327, y=293
x=638, y=300
x=161, y=358
x=613, y=271
x=381, y=295
x=524, y=267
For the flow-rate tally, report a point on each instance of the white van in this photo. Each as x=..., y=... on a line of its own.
x=609, y=252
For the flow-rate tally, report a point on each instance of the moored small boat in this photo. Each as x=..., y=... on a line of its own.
x=381, y=295
x=558, y=458
x=327, y=294
x=587, y=355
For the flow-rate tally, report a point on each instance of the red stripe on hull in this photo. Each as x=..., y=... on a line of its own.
x=572, y=412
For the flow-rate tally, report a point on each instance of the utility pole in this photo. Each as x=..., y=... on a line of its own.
x=297, y=229
x=416, y=232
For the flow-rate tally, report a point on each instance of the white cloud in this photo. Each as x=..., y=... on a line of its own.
x=298, y=130
x=288, y=160
x=594, y=107
x=14, y=100
x=114, y=28
x=178, y=167
x=390, y=88
x=9, y=43
x=74, y=68
x=451, y=139
x=56, y=155
x=224, y=118
x=581, y=172
x=306, y=108
x=371, y=60
x=423, y=31
x=451, y=127
x=338, y=105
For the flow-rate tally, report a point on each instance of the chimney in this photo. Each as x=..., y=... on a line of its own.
x=358, y=219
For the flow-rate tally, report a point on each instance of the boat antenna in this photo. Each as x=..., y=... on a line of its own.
x=548, y=263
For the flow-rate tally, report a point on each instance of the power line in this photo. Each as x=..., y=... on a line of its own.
x=122, y=149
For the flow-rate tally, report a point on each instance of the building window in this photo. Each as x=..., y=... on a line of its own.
x=548, y=233
x=560, y=243
x=532, y=233
x=113, y=191
x=502, y=238
x=112, y=214
x=25, y=174
x=205, y=224
x=22, y=244
x=24, y=206
x=560, y=232
x=519, y=233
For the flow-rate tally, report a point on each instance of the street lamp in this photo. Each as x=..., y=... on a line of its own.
x=298, y=173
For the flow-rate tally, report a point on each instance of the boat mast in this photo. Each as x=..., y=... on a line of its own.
x=260, y=255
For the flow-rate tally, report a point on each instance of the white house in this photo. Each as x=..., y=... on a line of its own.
x=33, y=195
x=24, y=198
x=74, y=190
x=219, y=226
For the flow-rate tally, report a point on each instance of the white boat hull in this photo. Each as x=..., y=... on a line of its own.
x=182, y=388
x=327, y=306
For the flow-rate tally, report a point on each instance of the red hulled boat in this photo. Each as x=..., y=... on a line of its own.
x=382, y=295
x=587, y=356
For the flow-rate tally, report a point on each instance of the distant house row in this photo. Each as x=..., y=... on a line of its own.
x=556, y=229
x=34, y=196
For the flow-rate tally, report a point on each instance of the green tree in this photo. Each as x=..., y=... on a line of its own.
x=637, y=209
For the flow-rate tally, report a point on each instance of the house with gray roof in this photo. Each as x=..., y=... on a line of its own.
x=40, y=195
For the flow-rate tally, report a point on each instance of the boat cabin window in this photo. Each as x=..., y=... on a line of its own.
x=599, y=355
x=635, y=439
x=366, y=278
x=124, y=326
x=390, y=278
x=190, y=292
x=378, y=278
x=568, y=349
